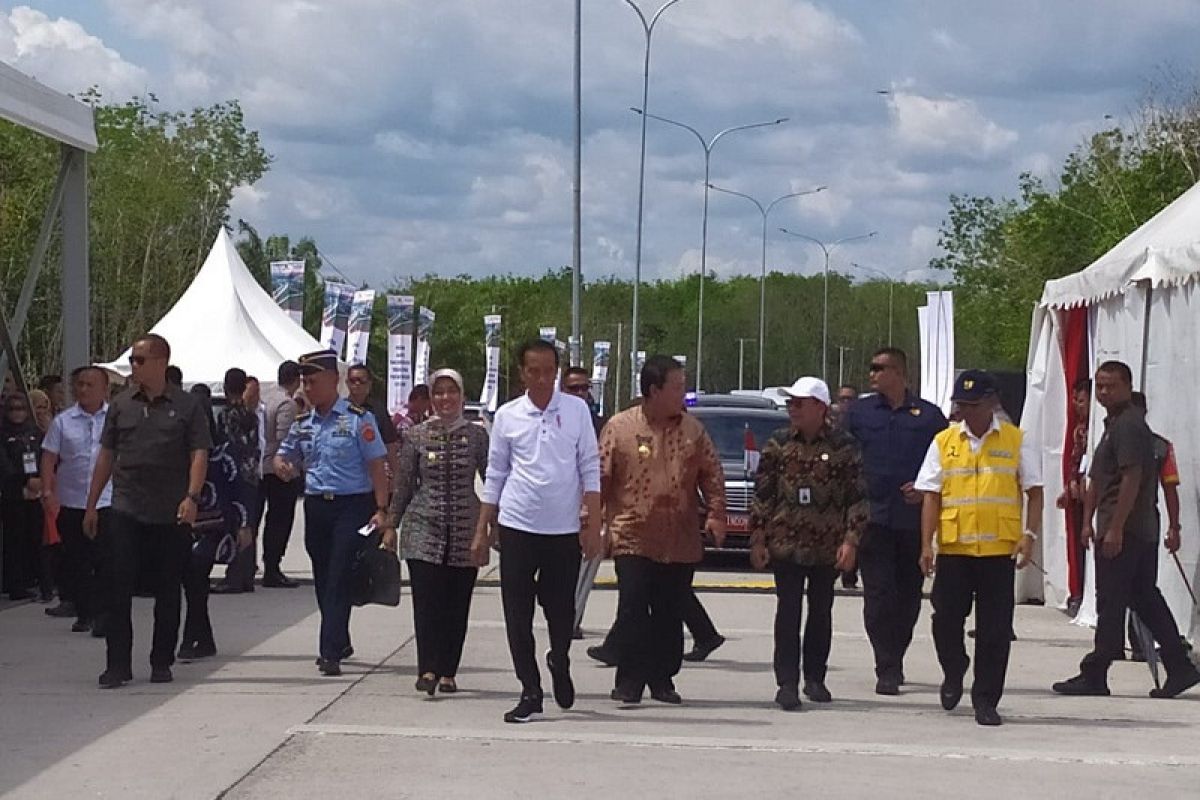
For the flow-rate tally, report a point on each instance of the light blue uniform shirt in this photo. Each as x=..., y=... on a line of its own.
x=334, y=449
x=74, y=436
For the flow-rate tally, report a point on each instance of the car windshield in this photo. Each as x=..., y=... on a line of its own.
x=728, y=431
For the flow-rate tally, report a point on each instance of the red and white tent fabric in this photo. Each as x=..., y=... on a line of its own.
x=225, y=319
x=1139, y=303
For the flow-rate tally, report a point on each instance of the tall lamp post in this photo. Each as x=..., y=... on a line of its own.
x=765, y=211
x=707, y=145
x=648, y=28
x=827, y=248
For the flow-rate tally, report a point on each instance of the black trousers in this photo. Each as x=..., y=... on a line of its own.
x=695, y=619
x=81, y=561
x=542, y=568
x=197, y=628
x=889, y=561
x=441, y=599
x=22, y=522
x=988, y=583
x=160, y=554
x=333, y=542
x=653, y=597
x=280, y=499
x=1130, y=581
x=794, y=582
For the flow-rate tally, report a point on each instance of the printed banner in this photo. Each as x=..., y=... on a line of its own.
x=425, y=320
x=935, y=323
x=489, y=396
x=401, y=321
x=640, y=361
x=336, y=316
x=548, y=333
x=600, y=354
x=358, y=334
x=287, y=288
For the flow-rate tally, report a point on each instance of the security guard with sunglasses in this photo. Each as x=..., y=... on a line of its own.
x=339, y=447
x=973, y=477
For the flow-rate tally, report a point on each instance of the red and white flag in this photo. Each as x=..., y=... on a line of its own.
x=750, y=454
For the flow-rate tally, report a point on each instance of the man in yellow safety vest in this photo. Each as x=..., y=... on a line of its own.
x=973, y=477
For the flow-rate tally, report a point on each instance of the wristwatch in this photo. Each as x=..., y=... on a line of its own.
x=194, y=497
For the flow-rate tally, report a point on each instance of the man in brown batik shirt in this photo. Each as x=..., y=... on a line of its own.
x=810, y=508
x=653, y=458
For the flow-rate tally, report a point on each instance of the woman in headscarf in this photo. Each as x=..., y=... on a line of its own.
x=20, y=499
x=435, y=506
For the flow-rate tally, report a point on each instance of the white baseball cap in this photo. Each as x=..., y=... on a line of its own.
x=808, y=387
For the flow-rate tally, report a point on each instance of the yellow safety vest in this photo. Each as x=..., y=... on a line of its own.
x=981, y=492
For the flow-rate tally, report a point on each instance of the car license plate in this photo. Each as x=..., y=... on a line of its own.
x=737, y=522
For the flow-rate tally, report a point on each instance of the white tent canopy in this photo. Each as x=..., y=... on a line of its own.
x=1143, y=308
x=225, y=319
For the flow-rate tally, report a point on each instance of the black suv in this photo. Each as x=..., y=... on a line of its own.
x=726, y=426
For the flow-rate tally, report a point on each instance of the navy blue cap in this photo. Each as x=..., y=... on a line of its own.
x=320, y=361
x=973, y=385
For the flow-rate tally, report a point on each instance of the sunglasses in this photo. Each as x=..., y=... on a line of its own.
x=578, y=388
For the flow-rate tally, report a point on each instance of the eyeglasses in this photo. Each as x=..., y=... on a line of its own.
x=577, y=388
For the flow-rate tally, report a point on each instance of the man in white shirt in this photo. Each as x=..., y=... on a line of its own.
x=542, y=464
x=69, y=453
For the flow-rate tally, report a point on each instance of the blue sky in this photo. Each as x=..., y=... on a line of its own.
x=415, y=137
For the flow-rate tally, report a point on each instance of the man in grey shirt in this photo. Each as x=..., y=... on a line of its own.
x=155, y=448
x=1122, y=495
x=279, y=495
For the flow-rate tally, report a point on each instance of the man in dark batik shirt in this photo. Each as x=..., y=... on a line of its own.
x=237, y=426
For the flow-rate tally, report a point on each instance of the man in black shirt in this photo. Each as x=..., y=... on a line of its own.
x=155, y=448
x=1123, y=495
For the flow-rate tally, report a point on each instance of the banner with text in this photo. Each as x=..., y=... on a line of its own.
x=489, y=396
x=600, y=353
x=425, y=320
x=336, y=315
x=358, y=335
x=401, y=321
x=287, y=288
x=548, y=333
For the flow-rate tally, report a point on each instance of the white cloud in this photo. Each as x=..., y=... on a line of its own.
x=947, y=126
x=64, y=56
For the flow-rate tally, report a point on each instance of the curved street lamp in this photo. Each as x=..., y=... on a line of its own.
x=707, y=145
x=765, y=211
x=827, y=248
x=648, y=28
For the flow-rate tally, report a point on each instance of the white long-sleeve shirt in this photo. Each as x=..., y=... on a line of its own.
x=540, y=463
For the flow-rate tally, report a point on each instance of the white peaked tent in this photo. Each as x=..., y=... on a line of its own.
x=1139, y=303
x=225, y=319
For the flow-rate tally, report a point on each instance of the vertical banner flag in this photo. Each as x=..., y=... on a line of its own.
x=287, y=288
x=600, y=353
x=425, y=320
x=336, y=316
x=358, y=330
x=400, y=324
x=548, y=333
x=490, y=394
x=935, y=322
x=640, y=360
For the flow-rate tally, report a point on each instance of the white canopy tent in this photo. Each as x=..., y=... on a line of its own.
x=225, y=319
x=1142, y=304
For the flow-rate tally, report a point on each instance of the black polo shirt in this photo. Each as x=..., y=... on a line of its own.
x=152, y=443
x=1127, y=442
x=894, y=442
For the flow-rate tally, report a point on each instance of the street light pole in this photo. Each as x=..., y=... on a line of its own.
x=648, y=28
x=765, y=211
x=577, y=198
x=707, y=145
x=827, y=249
x=741, y=359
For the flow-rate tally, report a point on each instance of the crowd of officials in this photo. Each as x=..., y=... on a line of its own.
x=145, y=492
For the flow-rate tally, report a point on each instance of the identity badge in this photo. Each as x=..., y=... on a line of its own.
x=30, y=461
x=805, y=496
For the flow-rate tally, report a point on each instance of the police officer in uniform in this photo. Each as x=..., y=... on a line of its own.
x=342, y=454
x=972, y=479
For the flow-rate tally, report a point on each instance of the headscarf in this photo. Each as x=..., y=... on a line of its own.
x=38, y=397
x=454, y=375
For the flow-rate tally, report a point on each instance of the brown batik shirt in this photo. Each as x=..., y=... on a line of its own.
x=809, y=496
x=649, y=477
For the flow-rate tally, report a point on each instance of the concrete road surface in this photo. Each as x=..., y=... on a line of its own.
x=258, y=721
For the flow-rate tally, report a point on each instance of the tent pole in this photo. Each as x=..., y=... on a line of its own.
x=1146, y=337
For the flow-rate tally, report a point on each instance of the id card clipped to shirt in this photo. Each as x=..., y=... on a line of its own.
x=29, y=461
x=804, y=496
